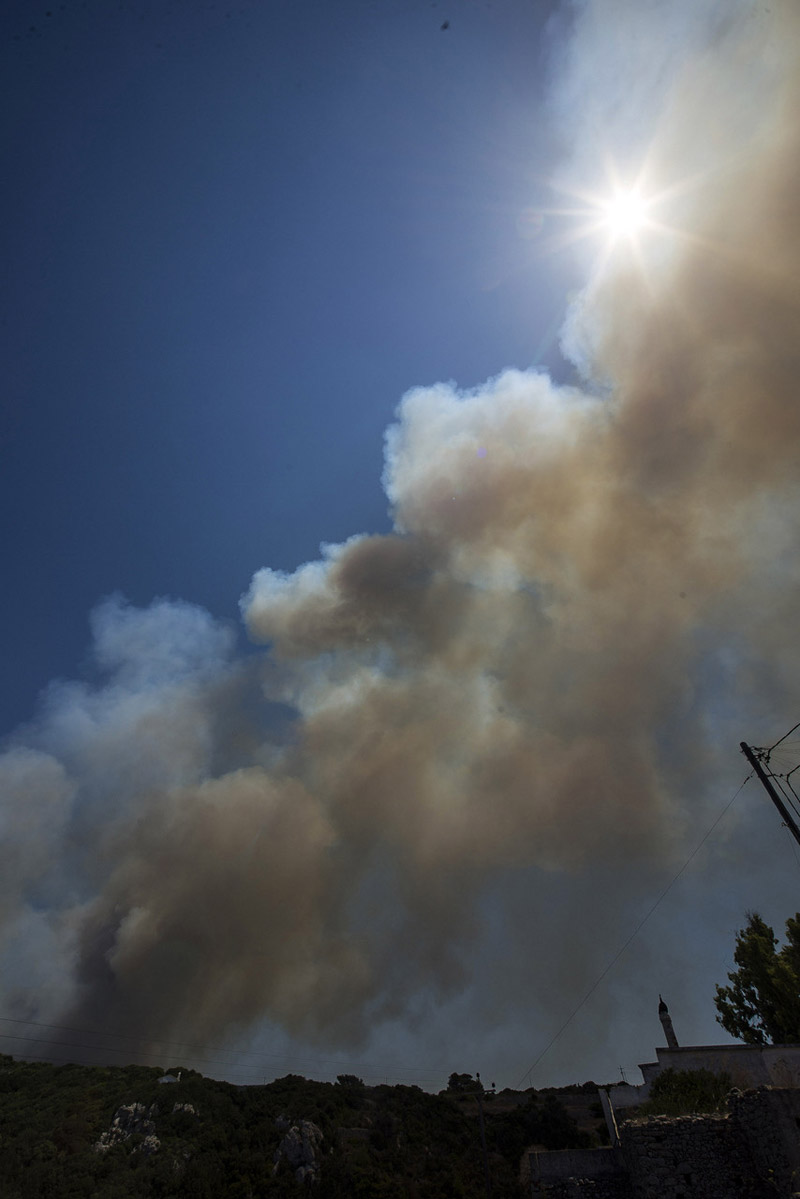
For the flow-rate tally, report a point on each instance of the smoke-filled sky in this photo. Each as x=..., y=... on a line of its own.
x=395, y=551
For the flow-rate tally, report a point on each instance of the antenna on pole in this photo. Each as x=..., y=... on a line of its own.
x=754, y=760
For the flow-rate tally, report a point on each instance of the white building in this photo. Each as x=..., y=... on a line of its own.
x=747, y=1065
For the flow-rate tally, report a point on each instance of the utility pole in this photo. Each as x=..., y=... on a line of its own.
x=486, y=1174
x=763, y=778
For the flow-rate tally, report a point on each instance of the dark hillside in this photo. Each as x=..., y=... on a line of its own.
x=208, y=1139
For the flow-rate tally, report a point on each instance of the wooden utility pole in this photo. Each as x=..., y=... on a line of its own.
x=486, y=1174
x=763, y=778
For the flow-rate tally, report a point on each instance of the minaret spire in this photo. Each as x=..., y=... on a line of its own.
x=666, y=1023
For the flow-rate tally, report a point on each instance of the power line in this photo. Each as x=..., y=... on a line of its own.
x=793, y=845
x=781, y=783
x=758, y=759
x=371, y=1079
x=193, y=1046
x=783, y=779
x=638, y=928
x=113, y=1049
x=258, y=1068
x=167, y=1049
x=791, y=788
x=96, y=1032
x=260, y=1057
x=793, y=729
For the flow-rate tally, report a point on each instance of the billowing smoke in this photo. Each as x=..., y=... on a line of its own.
x=579, y=582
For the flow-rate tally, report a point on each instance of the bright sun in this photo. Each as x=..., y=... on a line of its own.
x=625, y=213
x=622, y=219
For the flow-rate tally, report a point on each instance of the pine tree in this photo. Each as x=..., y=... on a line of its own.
x=762, y=1004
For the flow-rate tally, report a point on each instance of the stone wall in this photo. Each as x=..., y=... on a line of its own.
x=559, y=1164
x=588, y=1188
x=568, y=1173
x=768, y=1123
x=751, y=1153
x=675, y=1157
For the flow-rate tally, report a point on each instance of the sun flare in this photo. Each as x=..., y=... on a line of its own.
x=626, y=217
x=625, y=214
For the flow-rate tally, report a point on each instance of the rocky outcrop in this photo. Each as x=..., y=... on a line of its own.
x=300, y=1148
x=132, y=1119
x=148, y=1146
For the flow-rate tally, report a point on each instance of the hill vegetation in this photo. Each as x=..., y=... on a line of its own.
x=208, y=1139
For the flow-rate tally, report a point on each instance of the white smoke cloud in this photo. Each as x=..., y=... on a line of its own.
x=574, y=580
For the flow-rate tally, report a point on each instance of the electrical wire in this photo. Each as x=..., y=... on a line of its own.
x=92, y=1032
x=635, y=932
x=258, y=1069
x=793, y=729
x=782, y=779
x=113, y=1049
x=167, y=1048
x=262, y=1058
x=790, y=802
x=793, y=845
x=193, y=1046
x=95, y=1032
x=791, y=788
x=786, y=776
x=372, y=1079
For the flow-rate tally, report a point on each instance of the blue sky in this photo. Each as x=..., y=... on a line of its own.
x=405, y=812
x=235, y=238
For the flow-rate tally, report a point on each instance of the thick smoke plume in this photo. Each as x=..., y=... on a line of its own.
x=578, y=582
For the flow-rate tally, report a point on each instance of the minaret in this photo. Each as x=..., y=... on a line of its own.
x=666, y=1021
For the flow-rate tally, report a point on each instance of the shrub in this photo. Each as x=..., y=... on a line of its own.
x=683, y=1092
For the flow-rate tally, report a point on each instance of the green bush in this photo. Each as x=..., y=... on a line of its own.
x=685, y=1092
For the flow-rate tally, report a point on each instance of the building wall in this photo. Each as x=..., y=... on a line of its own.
x=748, y=1065
x=625, y=1095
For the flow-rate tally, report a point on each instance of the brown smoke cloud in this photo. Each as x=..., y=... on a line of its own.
x=579, y=582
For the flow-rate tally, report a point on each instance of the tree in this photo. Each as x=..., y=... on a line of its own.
x=463, y=1082
x=350, y=1080
x=762, y=1004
